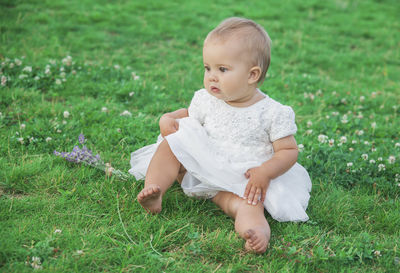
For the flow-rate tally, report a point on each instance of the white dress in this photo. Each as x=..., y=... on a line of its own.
x=218, y=143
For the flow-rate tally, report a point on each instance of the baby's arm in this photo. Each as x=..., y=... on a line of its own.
x=285, y=156
x=168, y=123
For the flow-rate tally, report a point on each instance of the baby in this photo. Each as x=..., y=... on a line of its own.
x=234, y=144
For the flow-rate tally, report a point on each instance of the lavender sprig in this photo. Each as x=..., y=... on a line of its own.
x=84, y=155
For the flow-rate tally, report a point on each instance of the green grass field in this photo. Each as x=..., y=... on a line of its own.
x=336, y=62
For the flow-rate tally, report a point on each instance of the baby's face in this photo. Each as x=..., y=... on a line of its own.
x=226, y=71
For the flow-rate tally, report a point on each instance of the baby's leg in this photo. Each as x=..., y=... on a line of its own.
x=161, y=174
x=250, y=221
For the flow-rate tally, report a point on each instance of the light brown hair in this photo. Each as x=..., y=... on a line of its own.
x=254, y=37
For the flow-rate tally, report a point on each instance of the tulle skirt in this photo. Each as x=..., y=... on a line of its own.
x=207, y=174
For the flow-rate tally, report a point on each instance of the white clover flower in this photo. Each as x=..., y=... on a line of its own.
x=377, y=253
x=58, y=81
x=373, y=94
x=58, y=131
x=62, y=69
x=119, y=130
x=117, y=67
x=27, y=69
x=67, y=61
x=351, y=149
x=381, y=167
x=327, y=117
x=322, y=138
x=360, y=115
x=335, y=114
x=36, y=264
x=309, y=123
x=47, y=71
x=66, y=114
x=334, y=93
x=3, y=80
x=371, y=161
x=373, y=125
x=309, y=131
x=22, y=76
x=126, y=113
x=354, y=142
x=350, y=164
x=373, y=149
x=362, y=98
x=52, y=61
x=300, y=147
x=36, y=78
x=134, y=76
x=319, y=92
x=104, y=109
x=62, y=74
x=131, y=94
x=359, y=132
x=11, y=65
x=18, y=62
x=22, y=126
x=344, y=101
x=366, y=143
x=1, y=114
x=331, y=142
x=391, y=159
x=312, y=97
x=397, y=144
x=21, y=140
x=79, y=252
x=344, y=119
x=48, y=139
x=57, y=231
x=364, y=156
x=380, y=158
x=64, y=122
x=343, y=139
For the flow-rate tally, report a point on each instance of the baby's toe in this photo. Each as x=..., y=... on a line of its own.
x=249, y=235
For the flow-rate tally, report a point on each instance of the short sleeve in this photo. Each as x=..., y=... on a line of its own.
x=196, y=108
x=283, y=123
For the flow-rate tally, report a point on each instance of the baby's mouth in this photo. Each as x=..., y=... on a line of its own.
x=215, y=89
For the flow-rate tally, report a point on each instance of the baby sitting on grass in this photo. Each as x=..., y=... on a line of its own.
x=234, y=144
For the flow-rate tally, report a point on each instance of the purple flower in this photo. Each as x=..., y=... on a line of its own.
x=84, y=155
x=81, y=139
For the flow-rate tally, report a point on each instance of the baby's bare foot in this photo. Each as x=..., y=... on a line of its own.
x=150, y=199
x=256, y=240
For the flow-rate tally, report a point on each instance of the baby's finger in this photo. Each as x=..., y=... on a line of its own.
x=252, y=195
x=247, y=174
x=247, y=191
x=263, y=195
x=176, y=125
x=256, y=196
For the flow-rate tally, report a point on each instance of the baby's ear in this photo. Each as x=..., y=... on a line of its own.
x=254, y=74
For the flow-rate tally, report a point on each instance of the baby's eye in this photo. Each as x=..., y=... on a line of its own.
x=223, y=69
x=207, y=68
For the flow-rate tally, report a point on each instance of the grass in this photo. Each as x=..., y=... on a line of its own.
x=335, y=62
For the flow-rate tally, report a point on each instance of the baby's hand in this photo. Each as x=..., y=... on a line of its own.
x=257, y=186
x=168, y=125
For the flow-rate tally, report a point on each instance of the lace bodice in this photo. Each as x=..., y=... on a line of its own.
x=242, y=134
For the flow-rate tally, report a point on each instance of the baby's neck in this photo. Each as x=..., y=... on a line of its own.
x=249, y=100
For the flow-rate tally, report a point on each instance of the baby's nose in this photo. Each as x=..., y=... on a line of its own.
x=212, y=77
